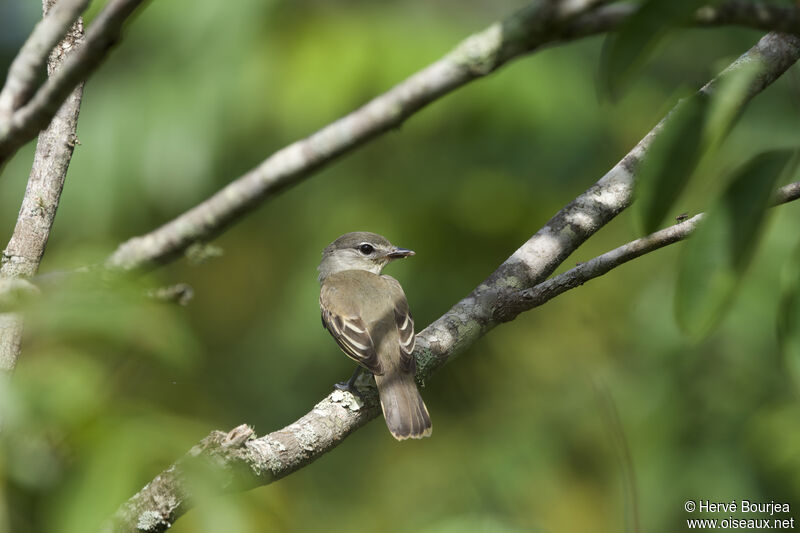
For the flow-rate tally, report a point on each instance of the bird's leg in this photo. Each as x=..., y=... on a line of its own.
x=349, y=385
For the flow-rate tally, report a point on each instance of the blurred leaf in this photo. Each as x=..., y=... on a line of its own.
x=120, y=314
x=670, y=162
x=727, y=99
x=719, y=252
x=115, y=458
x=788, y=319
x=484, y=187
x=51, y=395
x=696, y=128
x=58, y=389
x=626, y=51
x=472, y=524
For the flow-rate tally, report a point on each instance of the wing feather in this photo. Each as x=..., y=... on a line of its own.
x=352, y=336
x=405, y=326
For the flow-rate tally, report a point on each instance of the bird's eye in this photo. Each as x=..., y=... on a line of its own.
x=366, y=249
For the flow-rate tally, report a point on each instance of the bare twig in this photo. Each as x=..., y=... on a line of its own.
x=29, y=119
x=24, y=71
x=786, y=193
x=509, y=306
x=260, y=461
x=757, y=15
x=180, y=293
x=53, y=154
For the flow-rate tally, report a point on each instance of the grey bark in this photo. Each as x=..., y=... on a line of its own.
x=508, y=307
x=54, y=149
x=24, y=70
x=26, y=121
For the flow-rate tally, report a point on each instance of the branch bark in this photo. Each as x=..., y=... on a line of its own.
x=510, y=306
x=22, y=75
x=246, y=461
x=26, y=121
x=54, y=149
x=756, y=15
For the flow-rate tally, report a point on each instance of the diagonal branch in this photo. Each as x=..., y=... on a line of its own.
x=35, y=114
x=245, y=461
x=54, y=149
x=509, y=306
x=24, y=71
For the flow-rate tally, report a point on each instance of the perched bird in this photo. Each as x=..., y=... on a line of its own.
x=367, y=313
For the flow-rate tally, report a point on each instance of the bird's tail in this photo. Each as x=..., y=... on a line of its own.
x=403, y=408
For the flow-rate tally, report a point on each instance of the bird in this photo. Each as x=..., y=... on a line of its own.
x=367, y=314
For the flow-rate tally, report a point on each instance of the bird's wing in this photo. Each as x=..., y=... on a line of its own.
x=405, y=326
x=352, y=336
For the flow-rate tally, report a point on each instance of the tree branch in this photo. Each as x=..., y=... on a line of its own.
x=246, y=461
x=756, y=15
x=509, y=306
x=24, y=252
x=24, y=70
x=28, y=120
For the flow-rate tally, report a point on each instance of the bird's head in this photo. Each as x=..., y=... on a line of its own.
x=359, y=250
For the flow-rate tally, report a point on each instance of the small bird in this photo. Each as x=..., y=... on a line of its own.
x=367, y=314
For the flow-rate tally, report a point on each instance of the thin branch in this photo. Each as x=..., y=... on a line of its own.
x=756, y=15
x=509, y=306
x=29, y=119
x=180, y=294
x=54, y=148
x=246, y=461
x=24, y=71
x=786, y=194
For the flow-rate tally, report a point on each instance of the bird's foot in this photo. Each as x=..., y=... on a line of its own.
x=350, y=384
x=345, y=386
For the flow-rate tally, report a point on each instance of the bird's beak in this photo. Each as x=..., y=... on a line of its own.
x=399, y=253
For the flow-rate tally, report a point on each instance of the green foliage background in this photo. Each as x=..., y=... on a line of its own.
x=549, y=423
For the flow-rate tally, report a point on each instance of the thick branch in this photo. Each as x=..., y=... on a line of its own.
x=265, y=459
x=24, y=252
x=580, y=219
x=29, y=119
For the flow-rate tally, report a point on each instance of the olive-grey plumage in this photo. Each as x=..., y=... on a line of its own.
x=367, y=314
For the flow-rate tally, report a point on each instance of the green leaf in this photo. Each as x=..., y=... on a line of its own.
x=670, y=162
x=728, y=98
x=626, y=51
x=788, y=319
x=696, y=128
x=719, y=252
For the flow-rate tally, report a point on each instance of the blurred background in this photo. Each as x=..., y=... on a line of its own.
x=577, y=416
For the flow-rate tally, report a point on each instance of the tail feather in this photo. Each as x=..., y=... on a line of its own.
x=402, y=405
